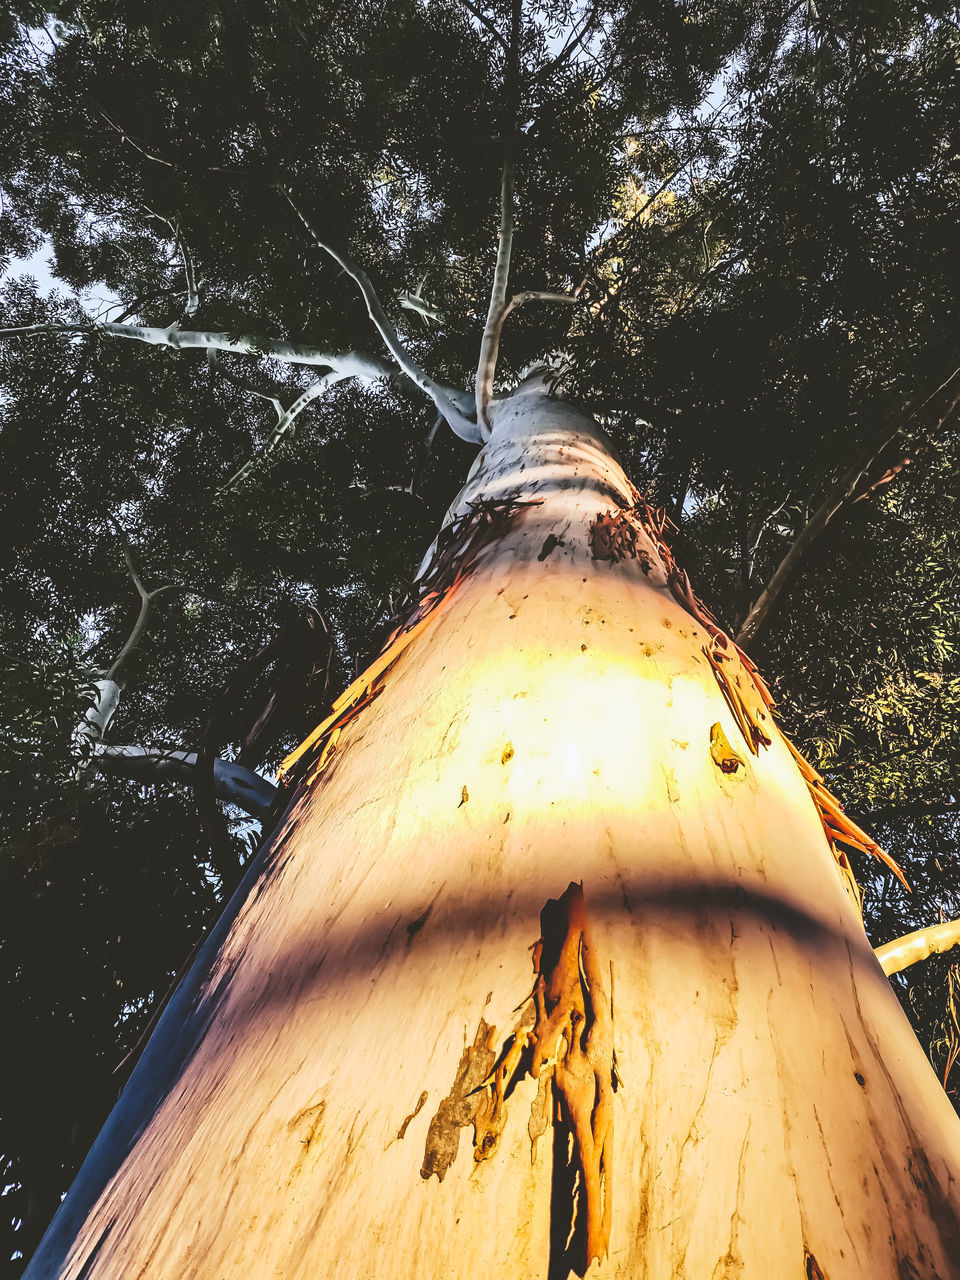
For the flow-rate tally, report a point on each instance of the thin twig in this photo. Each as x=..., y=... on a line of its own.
x=574, y=41
x=217, y=366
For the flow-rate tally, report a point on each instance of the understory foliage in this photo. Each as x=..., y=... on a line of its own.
x=753, y=208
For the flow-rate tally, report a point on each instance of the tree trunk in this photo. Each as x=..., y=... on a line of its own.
x=712, y=1066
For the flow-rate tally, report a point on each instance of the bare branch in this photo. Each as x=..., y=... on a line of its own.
x=537, y=295
x=147, y=155
x=97, y=717
x=490, y=343
x=217, y=365
x=283, y=426
x=117, y=668
x=494, y=331
x=486, y=23
x=437, y=393
x=842, y=495
x=352, y=364
x=902, y=952
x=193, y=297
x=154, y=157
x=192, y=303
x=233, y=784
x=452, y=402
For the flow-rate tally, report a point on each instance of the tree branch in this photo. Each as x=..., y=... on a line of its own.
x=461, y=426
x=490, y=343
x=283, y=426
x=351, y=364
x=233, y=784
x=96, y=718
x=485, y=22
x=217, y=365
x=902, y=952
x=116, y=670
x=840, y=496
x=245, y=175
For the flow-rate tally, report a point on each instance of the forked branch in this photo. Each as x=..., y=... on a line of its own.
x=461, y=425
x=841, y=495
x=284, y=424
x=192, y=302
x=490, y=343
x=148, y=599
x=97, y=717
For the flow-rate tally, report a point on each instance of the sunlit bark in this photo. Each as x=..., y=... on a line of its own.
x=711, y=1064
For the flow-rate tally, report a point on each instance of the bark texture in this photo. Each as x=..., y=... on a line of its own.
x=723, y=1079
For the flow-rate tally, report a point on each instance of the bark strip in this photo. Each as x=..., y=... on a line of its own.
x=564, y=1040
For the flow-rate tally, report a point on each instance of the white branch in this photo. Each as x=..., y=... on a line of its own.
x=537, y=295
x=902, y=952
x=96, y=718
x=232, y=783
x=352, y=364
x=217, y=365
x=283, y=426
x=462, y=426
x=349, y=364
x=496, y=331
x=192, y=303
x=490, y=344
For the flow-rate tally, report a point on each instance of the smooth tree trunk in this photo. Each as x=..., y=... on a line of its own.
x=414, y=1046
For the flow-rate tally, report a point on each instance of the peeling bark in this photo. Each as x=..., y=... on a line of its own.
x=564, y=1040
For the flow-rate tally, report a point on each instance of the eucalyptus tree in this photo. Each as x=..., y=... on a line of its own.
x=702, y=242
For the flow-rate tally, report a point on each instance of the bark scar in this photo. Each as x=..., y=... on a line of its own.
x=564, y=1040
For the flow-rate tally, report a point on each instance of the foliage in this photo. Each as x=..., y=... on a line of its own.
x=756, y=204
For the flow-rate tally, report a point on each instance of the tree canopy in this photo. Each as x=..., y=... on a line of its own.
x=750, y=212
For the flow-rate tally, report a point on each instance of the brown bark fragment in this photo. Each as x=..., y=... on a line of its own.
x=401, y=1132
x=574, y=1030
x=569, y=1050
x=540, y=1110
x=460, y=1105
x=721, y=751
x=811, y=1268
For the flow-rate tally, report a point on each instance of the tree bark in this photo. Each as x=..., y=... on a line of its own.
x=697, y=1051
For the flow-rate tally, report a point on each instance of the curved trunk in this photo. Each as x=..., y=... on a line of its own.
x=711, y=1064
